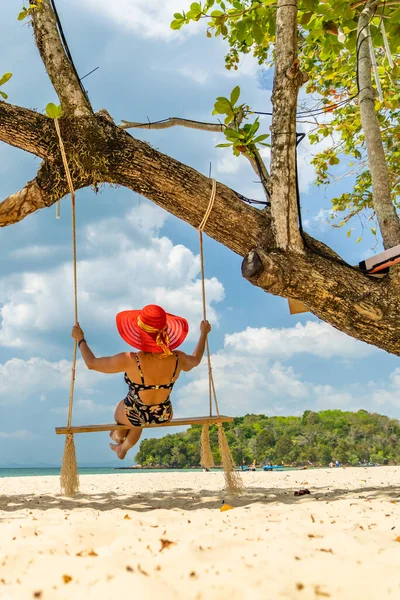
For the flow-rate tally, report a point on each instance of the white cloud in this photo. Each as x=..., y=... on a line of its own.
x=33, y=252
x=321, y=221
x=244, y=384
x=255, y=383
x=228, y=163
x=148, y=18
x=250, y=377
x=21, y=380
x=315, y=338
x=20, y=434
x=197, y=75
x=126, y=265
x=90, y=406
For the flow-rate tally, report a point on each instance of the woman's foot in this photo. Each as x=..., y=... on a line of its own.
x=119, y=451
x=118, y=436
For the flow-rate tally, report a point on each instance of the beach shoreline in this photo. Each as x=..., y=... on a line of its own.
x=164, y=533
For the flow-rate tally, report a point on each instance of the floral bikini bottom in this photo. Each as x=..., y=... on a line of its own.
x=140, y=414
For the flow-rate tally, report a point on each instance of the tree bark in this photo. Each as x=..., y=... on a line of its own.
x=25, y=129
x=59, y=69
x=174, y=122
x=287, y=81
x=385, y=210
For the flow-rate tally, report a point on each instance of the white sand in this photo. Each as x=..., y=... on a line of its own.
x=151, y=536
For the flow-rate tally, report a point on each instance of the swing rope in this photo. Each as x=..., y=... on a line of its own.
x=69, y=472
x=233, y=480
x=211, y=387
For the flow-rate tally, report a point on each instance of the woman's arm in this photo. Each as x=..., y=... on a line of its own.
x=190, y=361
x=106, y=364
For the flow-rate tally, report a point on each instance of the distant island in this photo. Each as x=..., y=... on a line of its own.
x=352, y=438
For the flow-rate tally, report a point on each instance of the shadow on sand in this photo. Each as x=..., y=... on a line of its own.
x=187, y=499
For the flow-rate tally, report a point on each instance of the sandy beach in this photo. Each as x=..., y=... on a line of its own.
x=141, y=535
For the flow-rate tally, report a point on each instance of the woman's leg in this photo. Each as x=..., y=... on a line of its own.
x=131, y=439
x=125, y=439
x=120, y=417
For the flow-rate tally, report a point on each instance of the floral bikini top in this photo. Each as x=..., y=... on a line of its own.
x=135, y=388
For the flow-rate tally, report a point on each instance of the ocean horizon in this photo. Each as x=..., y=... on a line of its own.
x=55, y=471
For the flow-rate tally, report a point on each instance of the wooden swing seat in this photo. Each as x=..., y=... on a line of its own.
x=173, y=423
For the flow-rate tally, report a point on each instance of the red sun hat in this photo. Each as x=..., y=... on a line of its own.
x=152, y=329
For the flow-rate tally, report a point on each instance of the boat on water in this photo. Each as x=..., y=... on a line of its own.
x=273, y=468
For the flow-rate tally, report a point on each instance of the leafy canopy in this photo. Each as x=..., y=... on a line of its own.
x=351, y=438
x=327, y=37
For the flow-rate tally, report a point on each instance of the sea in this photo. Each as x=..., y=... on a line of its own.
x=45, y=472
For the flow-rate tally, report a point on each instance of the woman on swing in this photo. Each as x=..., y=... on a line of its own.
x=150, y=373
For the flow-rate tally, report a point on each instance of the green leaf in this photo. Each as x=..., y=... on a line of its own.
x=178, y=16
x=255, y=126
x=358, y=240
x=53, y=111
x=235, y=95
x=241, y=31
x=258, y=34
x=261, y=138
x=22, y=14
x=222, y=106
x=349, y=233
x=373, y=230
x=3, y=95
x=5, y=78
x=176, y=24
x=232, y=133
x=223, y=145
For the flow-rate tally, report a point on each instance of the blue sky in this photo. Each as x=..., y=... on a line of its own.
x=132, y=253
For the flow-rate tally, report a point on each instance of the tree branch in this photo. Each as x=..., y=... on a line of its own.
x=25, y=129
x=58, y=66
x=110, y=155
x=385, y=210
x=175, y=122
x=256, y=161
x=339, y=294
x=18, y=206
x=42, y=192
x=260, y=170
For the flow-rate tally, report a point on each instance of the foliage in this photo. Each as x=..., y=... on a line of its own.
x=53, y=111
x=241, y=139
x=351, y=438
x=327, y=37
x=4, y=80
x=25, y=12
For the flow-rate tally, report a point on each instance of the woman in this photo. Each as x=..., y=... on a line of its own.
x=150, y=373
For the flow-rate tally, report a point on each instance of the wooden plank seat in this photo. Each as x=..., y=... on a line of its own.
x=173, y=423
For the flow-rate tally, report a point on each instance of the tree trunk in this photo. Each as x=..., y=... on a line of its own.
x=388, y=220
x=287, y=81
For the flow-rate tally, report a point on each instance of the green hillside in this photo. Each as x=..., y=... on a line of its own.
x=349, y=437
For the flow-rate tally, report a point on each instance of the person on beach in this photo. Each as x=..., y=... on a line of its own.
x=150, y=373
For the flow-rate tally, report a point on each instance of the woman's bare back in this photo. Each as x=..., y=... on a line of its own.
x=155, y=371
